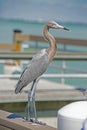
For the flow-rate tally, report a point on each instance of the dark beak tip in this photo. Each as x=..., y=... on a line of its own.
x=66, y=29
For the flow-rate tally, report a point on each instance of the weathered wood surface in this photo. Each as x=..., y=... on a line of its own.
x=19, y=123
x=46, y=91
x=19, y=37
x=67, y=41
x=28, y=55
x=7, y=46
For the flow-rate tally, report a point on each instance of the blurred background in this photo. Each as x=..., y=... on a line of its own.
x=21, y=26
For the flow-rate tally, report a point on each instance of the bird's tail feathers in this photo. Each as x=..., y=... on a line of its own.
x=18, y=88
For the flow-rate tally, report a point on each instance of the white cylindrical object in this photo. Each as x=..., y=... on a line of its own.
x=72, y=116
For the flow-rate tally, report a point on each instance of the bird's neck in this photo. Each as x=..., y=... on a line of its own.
x=53, y=47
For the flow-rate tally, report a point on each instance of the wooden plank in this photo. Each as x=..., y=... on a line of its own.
x=19, y=123
x=27, y=56
x=70, y=41
x=7, y=46
x=4, y=128
x=21, y=37
x=46, y=91
x=34, y=52
x=66, y=41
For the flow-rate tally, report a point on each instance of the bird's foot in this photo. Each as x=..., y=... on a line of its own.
x=37, y=122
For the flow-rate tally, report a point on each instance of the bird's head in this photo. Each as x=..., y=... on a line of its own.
x=53, y=24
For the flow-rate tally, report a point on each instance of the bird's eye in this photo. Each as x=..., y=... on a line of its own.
x=53, y=25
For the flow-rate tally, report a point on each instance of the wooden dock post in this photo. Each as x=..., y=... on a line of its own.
x=17, y=42
x=17, y=123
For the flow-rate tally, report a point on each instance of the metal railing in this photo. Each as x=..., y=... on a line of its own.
x=47, y=76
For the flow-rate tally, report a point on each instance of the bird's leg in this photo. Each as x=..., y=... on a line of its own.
x=33, y=97
x=33, y=89
x=35, y=113
x=33, y=100
x=28, y=106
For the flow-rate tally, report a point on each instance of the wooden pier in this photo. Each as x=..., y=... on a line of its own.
x=45, y=96
x=46, y=91
x=18, y=123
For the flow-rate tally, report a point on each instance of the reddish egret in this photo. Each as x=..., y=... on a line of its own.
x=38, y=66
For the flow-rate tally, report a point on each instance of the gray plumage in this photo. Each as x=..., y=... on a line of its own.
x=36, y=67
x=41, y=60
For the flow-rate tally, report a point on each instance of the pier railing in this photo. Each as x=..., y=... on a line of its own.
x=66, y=41
x=19, y=37
x=60, y=56
x=16, y=53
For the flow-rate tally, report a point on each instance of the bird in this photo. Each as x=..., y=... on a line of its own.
x=37, y=66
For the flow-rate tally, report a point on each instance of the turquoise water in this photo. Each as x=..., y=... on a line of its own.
x=77, y=30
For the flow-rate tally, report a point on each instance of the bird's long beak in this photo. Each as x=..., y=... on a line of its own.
x=61, y=27
x=66, y=29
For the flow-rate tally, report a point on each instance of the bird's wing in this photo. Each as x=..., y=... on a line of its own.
x=35, y=68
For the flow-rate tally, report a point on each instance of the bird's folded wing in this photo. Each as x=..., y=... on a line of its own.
x=35, y=68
